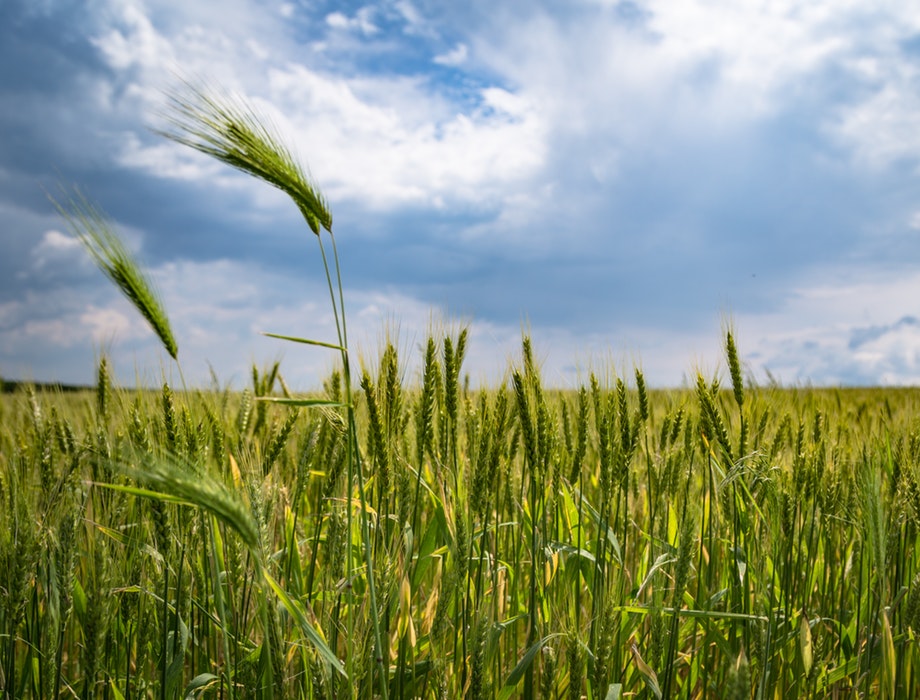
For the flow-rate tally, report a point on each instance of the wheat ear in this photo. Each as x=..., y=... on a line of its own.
x=107, y=250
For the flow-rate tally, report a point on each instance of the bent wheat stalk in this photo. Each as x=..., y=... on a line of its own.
x=93, y=229
x=230, y=130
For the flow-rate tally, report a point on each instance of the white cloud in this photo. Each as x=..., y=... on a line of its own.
x=381, y=142
x=698, y=67
x=134, y=41
x=337, y=20
x=57, y=332
x=827, y=356
x=455, y=57
x=846, y=326
x=685, y=69
x=55, y=246
x=883, y=128
x=150, y=43
x=167, y=160
x=362, y=21
x=386, y=141
x=407, y=150
x=415, y=22
x=73, y=326
x=893, y=357
x=58, y=256
x=759, y=47
x=108, y=324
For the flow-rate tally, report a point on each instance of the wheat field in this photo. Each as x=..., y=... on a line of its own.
x=610, y=541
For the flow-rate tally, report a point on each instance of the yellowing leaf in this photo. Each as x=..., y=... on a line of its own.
x=646, y=671
x=805, y=643
x=405, y=624
x=889, y=660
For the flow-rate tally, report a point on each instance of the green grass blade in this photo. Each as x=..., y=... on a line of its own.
x=199, y=683
x=510, y=685
x=284, y=401
x=306, y=341
x=297, y=612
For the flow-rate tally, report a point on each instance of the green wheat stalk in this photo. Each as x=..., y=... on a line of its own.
x=232, y=131
x=93, y=229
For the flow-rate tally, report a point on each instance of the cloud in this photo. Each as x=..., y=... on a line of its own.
x=827, y=356
x=883, y=128
x=861, y=338
x=415, y=22
x=135, y=43
x=675, y=69
x=849, y=326
x=48, y=322
x=107, y=324
x=455, y=57
x=889, y=356
x=385, y=140
x=407, y=150
x=362, y=21
x=55, y=247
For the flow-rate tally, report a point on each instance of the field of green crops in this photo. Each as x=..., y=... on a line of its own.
x=611, y=541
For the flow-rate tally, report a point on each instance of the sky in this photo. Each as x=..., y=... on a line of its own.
x=621, y=180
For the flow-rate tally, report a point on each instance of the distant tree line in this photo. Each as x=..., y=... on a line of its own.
x=12, y=386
